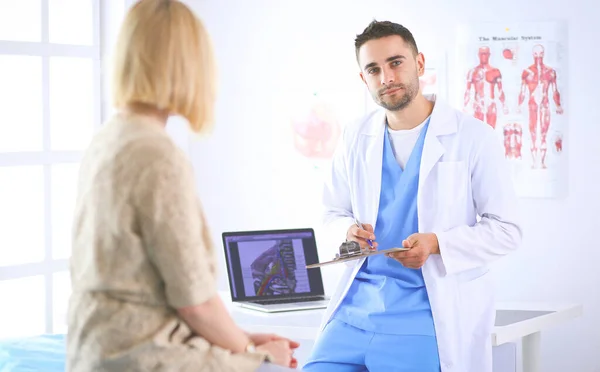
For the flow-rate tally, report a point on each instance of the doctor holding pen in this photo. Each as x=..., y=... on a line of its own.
x=419, y=174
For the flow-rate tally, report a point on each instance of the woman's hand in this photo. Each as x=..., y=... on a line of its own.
x=280, y=351
x=261, y=338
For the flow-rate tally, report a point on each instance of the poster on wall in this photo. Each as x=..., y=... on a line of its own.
x=514, y=78
x=309, y=125
x=307, y=117
x=307, y=128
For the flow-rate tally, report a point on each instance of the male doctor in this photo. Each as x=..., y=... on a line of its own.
x=421, y=175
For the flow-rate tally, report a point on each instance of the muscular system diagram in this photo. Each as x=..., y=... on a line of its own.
x=486, y=82
x=273, y=271
x=514, y=76
x=536, y=81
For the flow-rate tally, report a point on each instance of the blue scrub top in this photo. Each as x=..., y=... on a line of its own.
x=385, y=297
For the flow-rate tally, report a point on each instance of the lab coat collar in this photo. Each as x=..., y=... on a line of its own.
x=443, y=118
x=442, y=122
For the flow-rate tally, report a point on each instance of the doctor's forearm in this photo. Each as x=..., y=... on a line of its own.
x=467, y=247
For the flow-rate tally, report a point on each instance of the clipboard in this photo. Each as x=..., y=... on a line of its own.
x=355, y=257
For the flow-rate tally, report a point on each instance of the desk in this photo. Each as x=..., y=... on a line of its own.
x=514, y=322
x=525, y=322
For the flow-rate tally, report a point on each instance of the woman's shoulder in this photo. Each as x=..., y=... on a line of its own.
x=130, y=151
x=141, y=142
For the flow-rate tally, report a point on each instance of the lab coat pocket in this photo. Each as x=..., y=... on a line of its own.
x=452, y=183
x=451, y=191
x=476, y=301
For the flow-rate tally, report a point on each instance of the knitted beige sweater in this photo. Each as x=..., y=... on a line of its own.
x=141, y=249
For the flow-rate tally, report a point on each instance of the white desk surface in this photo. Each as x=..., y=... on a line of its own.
x=514, y=320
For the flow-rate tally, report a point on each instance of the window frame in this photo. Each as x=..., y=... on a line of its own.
x=48, y=157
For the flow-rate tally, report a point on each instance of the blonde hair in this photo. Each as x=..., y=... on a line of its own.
x=164, y=58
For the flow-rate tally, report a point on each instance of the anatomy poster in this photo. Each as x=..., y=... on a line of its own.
x=313, y=104
x=513, y=77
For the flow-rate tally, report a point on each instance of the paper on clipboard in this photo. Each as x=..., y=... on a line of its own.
x=355, y=257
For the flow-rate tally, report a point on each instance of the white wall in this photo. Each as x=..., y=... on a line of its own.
x=267, y=48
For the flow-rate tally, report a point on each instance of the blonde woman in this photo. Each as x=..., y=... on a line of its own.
x=143, y=264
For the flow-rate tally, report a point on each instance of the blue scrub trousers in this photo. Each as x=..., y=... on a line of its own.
x=344, y=348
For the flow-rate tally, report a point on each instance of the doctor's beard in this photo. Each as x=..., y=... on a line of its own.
x=397, y=103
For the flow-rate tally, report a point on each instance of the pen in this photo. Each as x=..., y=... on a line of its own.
x=360, y=226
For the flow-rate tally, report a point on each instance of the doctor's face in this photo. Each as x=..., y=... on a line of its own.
x=391, y=68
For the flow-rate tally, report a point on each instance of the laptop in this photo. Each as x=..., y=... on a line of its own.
x=267, y=270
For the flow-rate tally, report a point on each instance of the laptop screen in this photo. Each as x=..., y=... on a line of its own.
x=272, y=264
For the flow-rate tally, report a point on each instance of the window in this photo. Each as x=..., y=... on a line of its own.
x=51, y=105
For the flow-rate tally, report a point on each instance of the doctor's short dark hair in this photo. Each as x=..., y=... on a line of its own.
x=378, y=29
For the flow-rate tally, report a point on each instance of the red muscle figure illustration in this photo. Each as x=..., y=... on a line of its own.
x=536, y=80
x=513, y=134
x=485, y=80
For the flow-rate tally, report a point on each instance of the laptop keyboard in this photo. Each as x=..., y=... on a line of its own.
x=288, y=300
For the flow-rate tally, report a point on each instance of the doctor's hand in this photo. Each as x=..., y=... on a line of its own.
x=361, y=235
x=421, y=246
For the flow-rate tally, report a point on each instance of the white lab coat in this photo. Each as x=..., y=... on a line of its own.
x=465, y=196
